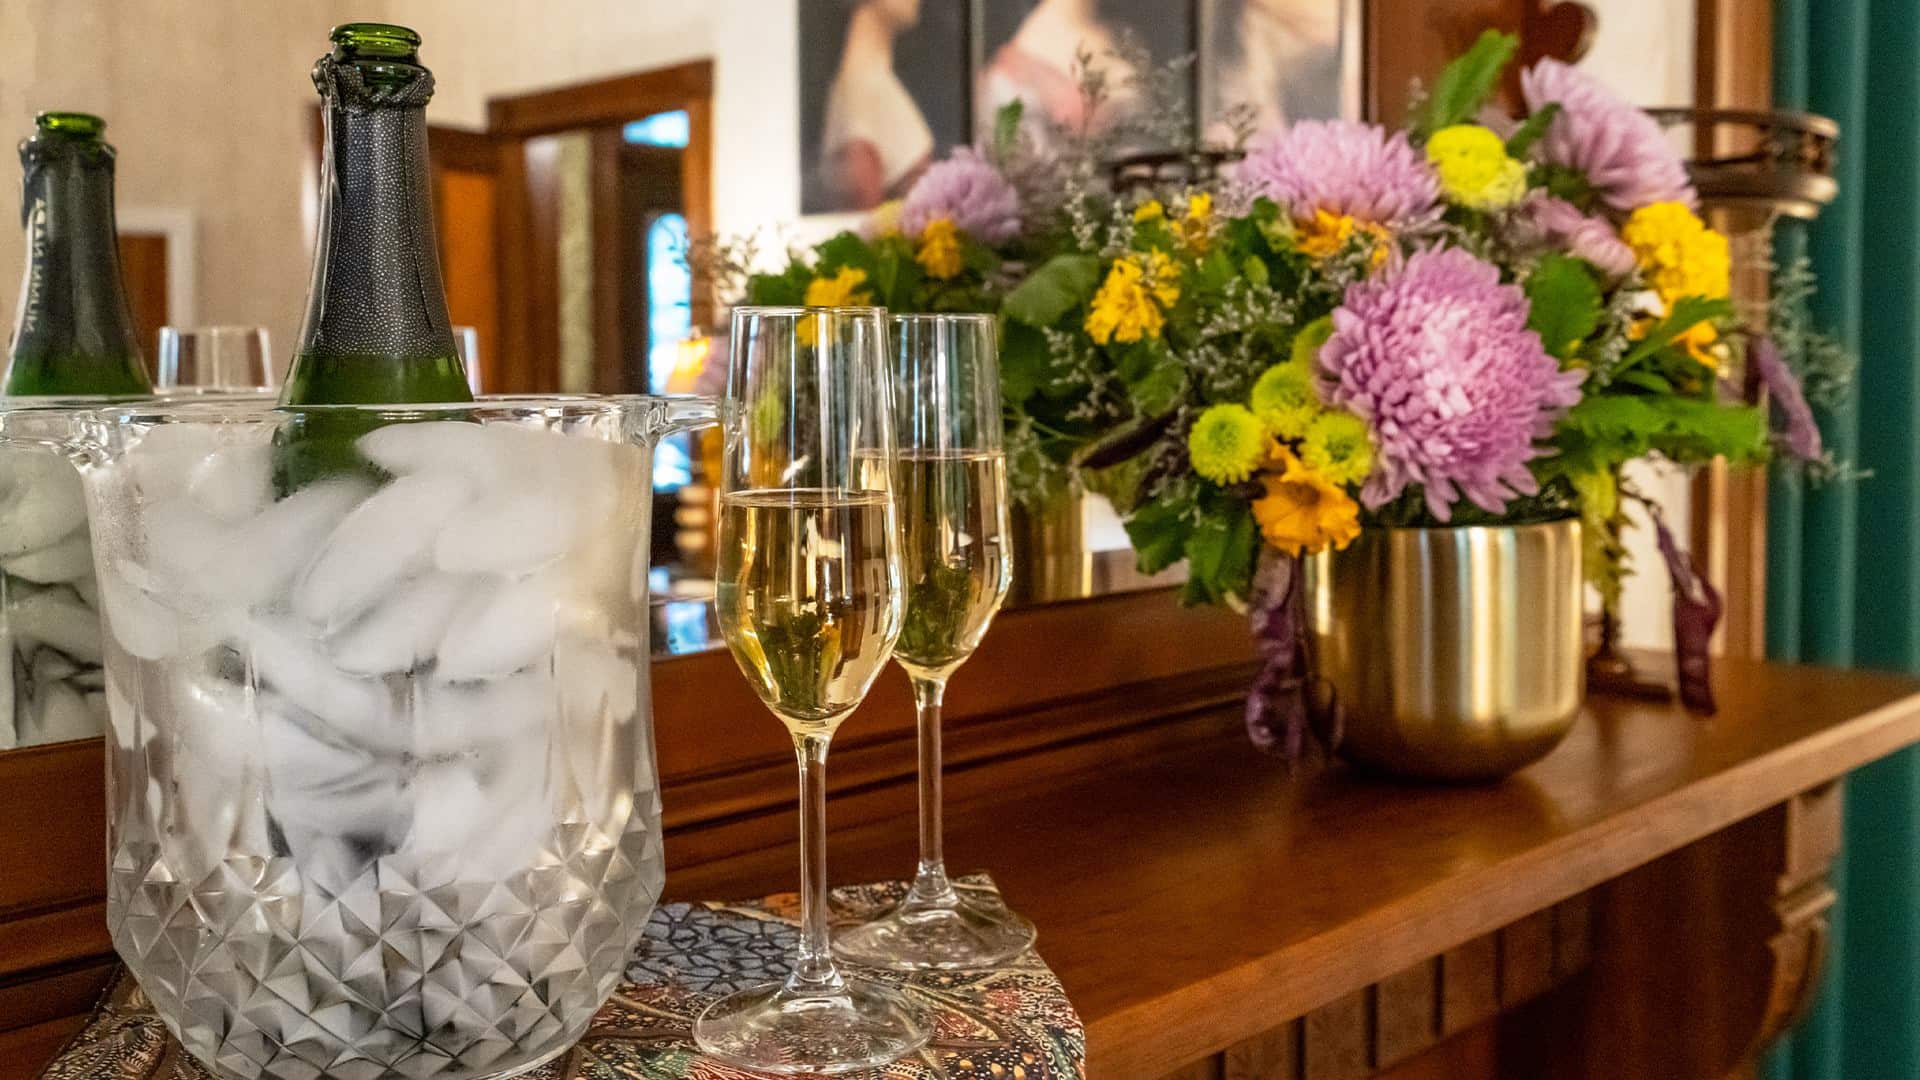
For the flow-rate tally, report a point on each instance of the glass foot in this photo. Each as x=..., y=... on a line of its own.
x=776, y=1029
x=946, y=933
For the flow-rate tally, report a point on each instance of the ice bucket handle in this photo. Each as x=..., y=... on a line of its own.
x=79, y=444
x=681, y=412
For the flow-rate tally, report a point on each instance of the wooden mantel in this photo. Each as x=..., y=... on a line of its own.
x=1656, y=887
x=1649, y=901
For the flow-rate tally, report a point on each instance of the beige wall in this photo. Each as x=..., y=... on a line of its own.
x=206, y=103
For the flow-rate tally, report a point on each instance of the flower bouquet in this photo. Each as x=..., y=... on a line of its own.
x=1476, y=321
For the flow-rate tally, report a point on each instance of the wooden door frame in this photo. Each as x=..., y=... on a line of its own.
x=527, y=363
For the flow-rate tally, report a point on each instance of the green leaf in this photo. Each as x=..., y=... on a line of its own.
x=843, y=250
x=1159, y=532
x=1646, y=380
x=787, y=288
x=1220, y=553
x=1564, y=303
x=1061, y=284
x=1688, y=312
x=1466, y=83
x=1023, y=362
x=1531, y=130
x=1006, y=128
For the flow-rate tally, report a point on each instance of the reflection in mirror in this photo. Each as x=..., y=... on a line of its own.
x=572, y=162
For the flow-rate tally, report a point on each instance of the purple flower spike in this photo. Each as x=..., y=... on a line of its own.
x=1799, y=434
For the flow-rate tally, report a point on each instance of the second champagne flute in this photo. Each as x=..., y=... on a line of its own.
x=808, y=594
x=951, y=484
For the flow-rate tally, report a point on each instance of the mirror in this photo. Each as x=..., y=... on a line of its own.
x=576, y=151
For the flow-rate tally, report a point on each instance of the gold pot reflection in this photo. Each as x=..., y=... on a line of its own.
x=1050, y=556
x=1453, y=653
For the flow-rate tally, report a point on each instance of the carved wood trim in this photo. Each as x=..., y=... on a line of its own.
x=1801, y=904
x=1377, y=1029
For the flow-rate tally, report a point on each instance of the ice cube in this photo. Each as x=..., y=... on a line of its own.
x=384, y=539
x=514, y=713
x=66, y=560
x=353, y=712
x=510, y=532
x=495, y=816
x=321, y=783
x=233, y=483
x=9, y=734
x=59, y=714
x=500, y=630
x=162, y=463
x=595, y=680
x=55, y=618
x=404, y=631
x=441, y=446
x=41, y=502
x=262, y=556
x=142, y=625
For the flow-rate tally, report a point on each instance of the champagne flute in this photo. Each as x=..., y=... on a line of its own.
x=808, y=594
x=215, y=358
x=951, y=486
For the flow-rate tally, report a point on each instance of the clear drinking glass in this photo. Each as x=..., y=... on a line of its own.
x=215, y=358
x=951, y=484
x=466, y=346
x=808, y=595
x=380, y=774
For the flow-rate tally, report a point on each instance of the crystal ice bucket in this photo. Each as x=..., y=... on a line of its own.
x=380, y=763
x=51, y=685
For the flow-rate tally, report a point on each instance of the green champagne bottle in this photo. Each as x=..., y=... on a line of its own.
x=73, y=333
x=376, y=329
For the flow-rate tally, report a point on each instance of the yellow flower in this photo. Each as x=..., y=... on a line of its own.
x=1474, y=168
x=940, y=250
x=1699, y=341
x=1151, y=210
x=1302, y=510
x=885, y=219
x=1227, y=444
x=1196, y=229
x=841, y=290
x=1285, y=401
x=1679, y=254
x=1124, y=309
x=1327, y=234
x=1166, y=278
x=1338, y=446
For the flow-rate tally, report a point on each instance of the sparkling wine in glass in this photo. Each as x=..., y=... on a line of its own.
x=808, y=594
x=951, y=488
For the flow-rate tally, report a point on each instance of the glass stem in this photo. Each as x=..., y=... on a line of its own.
x=930, y=883
x=813, y=970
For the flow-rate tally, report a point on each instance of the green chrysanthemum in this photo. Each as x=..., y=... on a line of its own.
x=1307, y=342
x=1227, y=444
x=1338, y=446
x=1285, y=401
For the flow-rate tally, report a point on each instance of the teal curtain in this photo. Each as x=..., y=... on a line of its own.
x=1844, y=560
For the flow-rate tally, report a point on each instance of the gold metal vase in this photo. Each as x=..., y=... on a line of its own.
x=1449, y=653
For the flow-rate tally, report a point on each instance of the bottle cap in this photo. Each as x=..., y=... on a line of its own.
x=77, y=125
x=374, y=41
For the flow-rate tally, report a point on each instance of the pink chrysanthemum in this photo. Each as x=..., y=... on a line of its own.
x=1622, y=151
x=1543, y=221
x=1436, y=356
x=1345, y=168
x=969, y=190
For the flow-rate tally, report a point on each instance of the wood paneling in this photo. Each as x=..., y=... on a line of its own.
x=143, y=270
x=465, y=202
x=1410, y=42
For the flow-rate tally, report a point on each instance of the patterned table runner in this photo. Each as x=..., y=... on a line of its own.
x=1010, y=1023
